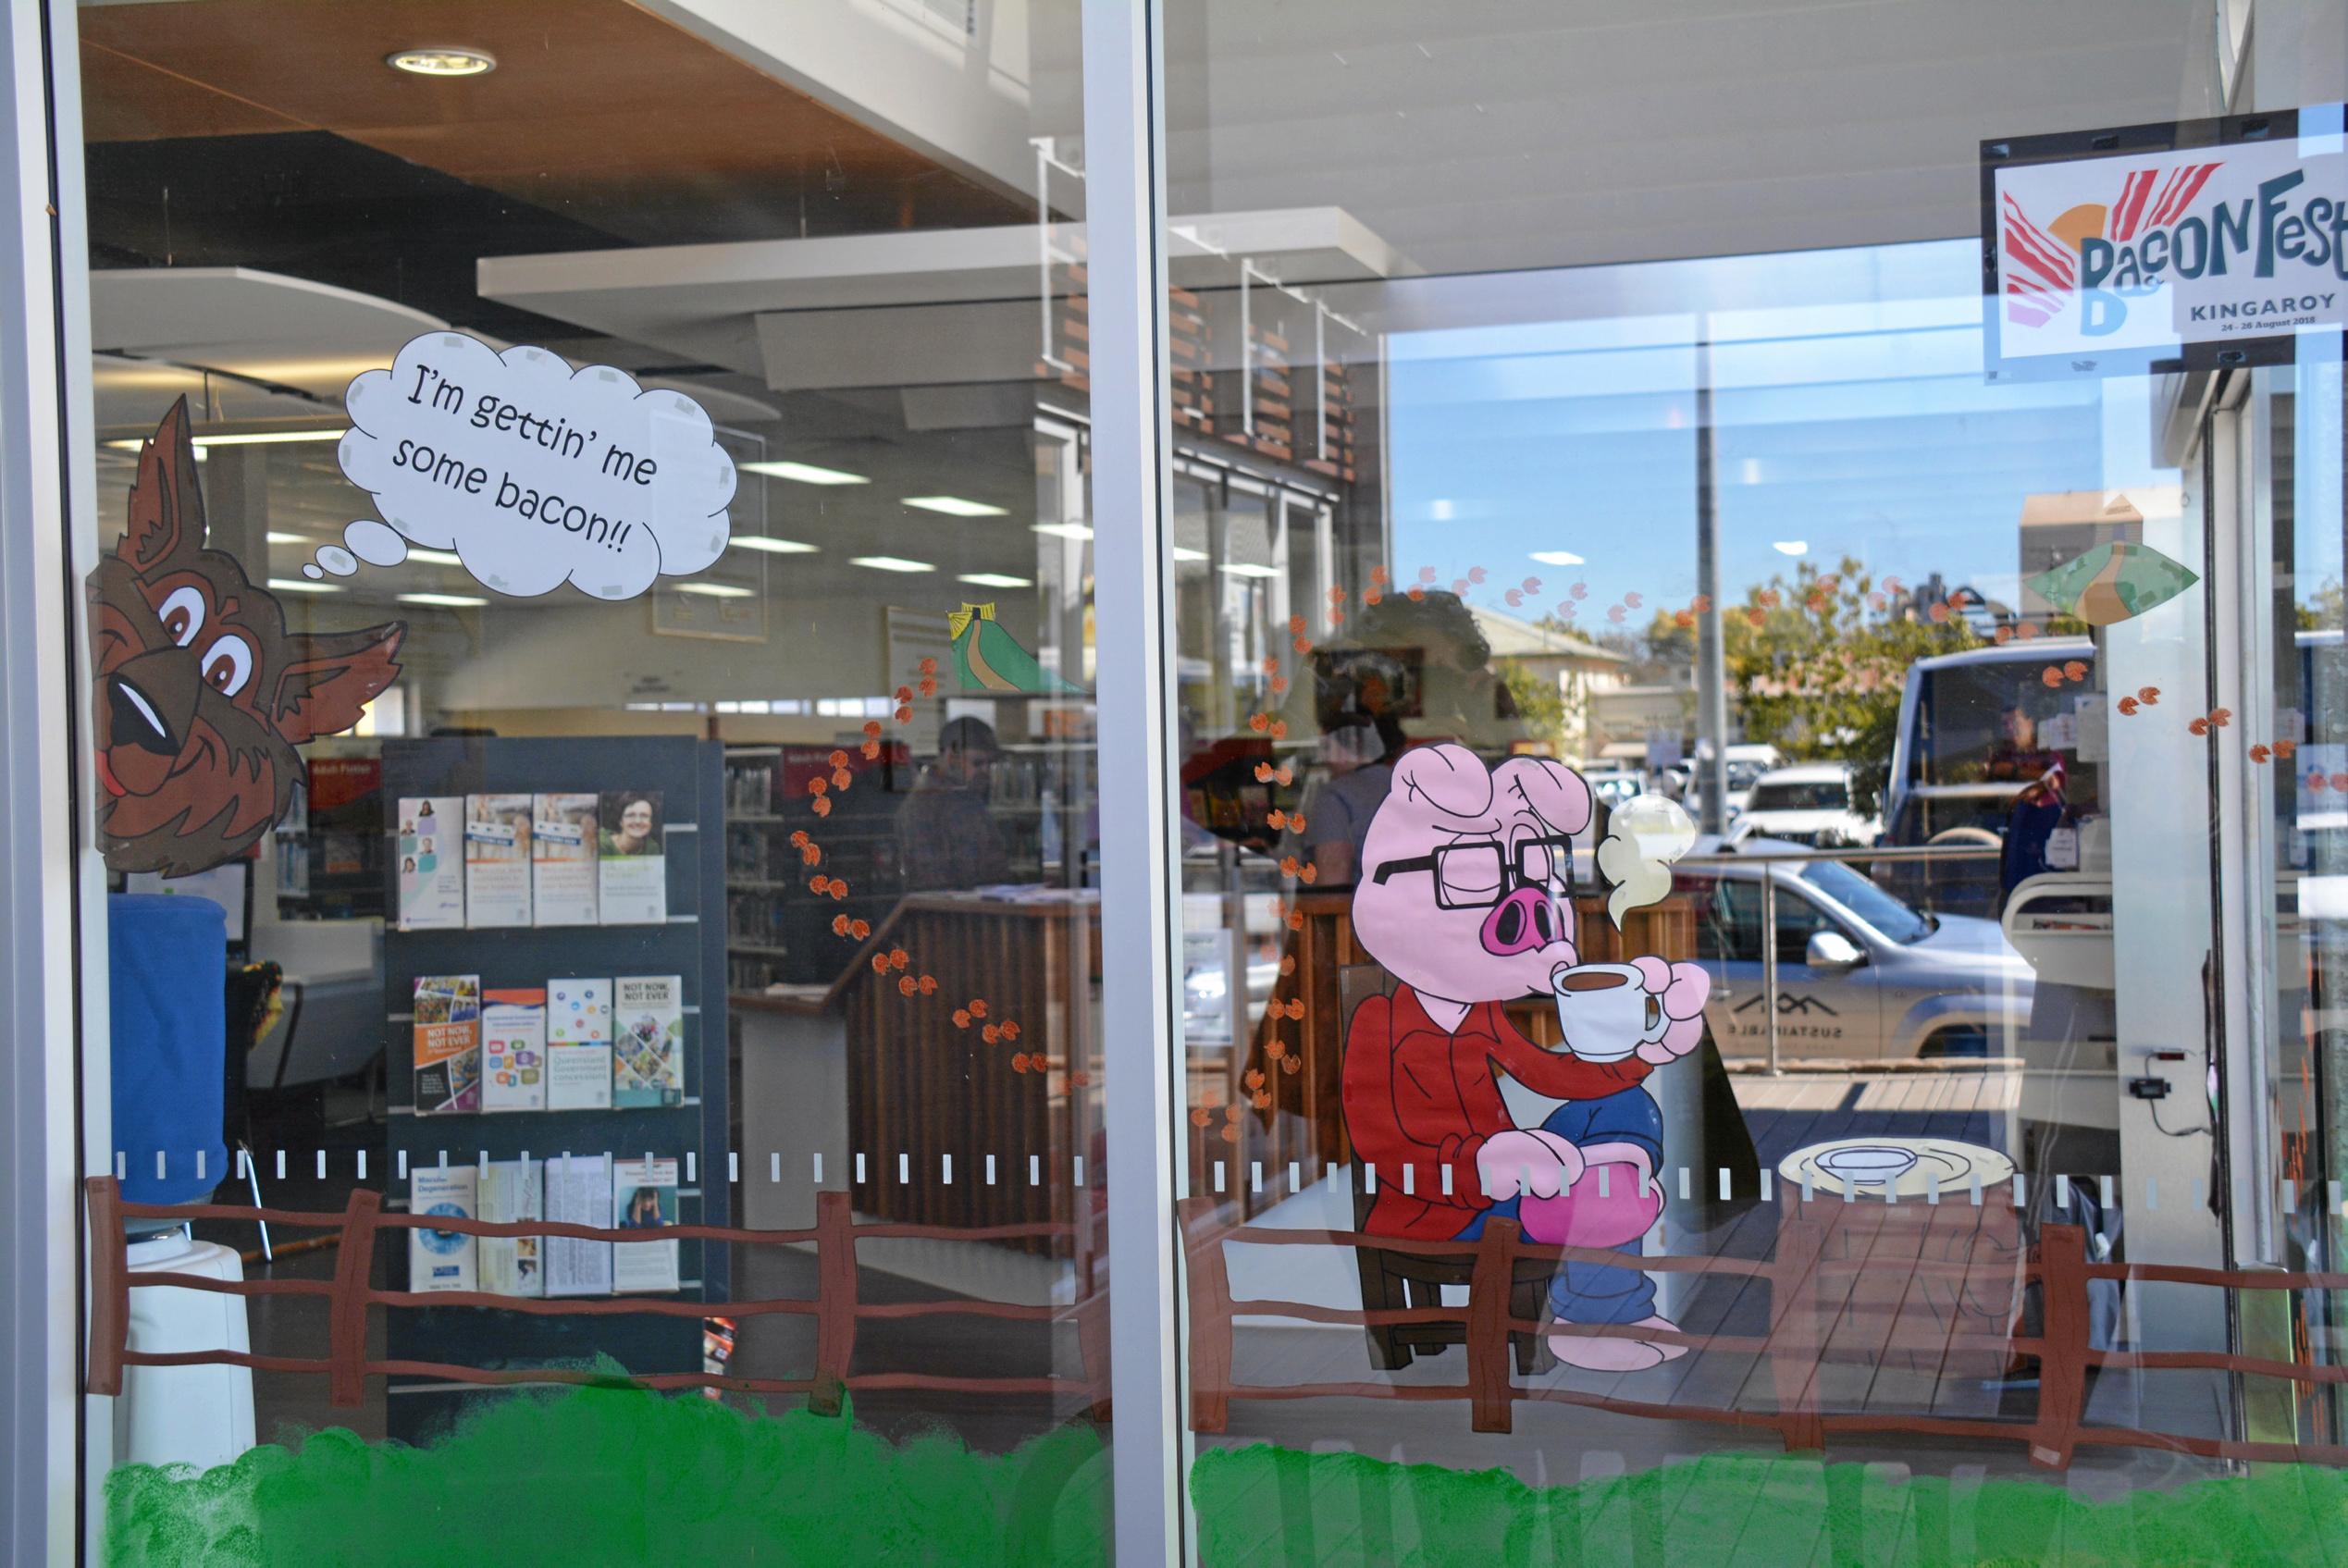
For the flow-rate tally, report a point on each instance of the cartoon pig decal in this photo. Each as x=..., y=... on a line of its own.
x=1464, y=897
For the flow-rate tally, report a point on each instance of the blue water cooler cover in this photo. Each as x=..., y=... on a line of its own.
x=169, y=956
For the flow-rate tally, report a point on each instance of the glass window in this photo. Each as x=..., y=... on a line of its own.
x=1808, y=442
x=671, y=806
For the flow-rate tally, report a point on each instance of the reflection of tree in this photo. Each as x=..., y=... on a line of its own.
x=1542, y=706
x=1817, y=665
x=2326, y=609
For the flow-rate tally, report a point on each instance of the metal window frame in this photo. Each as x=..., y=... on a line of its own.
x=56, y=1105
x=1125, y=229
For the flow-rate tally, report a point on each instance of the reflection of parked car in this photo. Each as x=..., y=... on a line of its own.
x=1808, y=804
x=1860, y=974
x=1614, y=789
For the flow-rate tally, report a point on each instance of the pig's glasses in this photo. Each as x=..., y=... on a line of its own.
x=1480, y=873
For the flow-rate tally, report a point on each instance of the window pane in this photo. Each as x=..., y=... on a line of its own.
x=674, y=803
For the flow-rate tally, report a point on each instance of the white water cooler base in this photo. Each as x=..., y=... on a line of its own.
x=199, y=1415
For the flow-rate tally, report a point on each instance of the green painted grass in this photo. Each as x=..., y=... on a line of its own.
x=1280, y=1507
x=608, y=1475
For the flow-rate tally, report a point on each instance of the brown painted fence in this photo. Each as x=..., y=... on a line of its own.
x=1802, y=1271
x=349, y=1295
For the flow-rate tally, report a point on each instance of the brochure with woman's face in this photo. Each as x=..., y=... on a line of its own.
x=633, y=867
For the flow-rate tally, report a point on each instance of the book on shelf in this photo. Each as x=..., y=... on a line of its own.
x=644, y=1198
x=510, y=1192
x=513, y=1050
x=632, y=863
x=647, y=1040
x=442, y=1260
x=578, y=1192
x=497, y=860
x=563, y=859
x=430, y=846
x=446, y=1076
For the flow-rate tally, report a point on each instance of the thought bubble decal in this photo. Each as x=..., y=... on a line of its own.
x=535, y=474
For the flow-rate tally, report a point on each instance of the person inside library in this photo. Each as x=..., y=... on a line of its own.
x=948, y=838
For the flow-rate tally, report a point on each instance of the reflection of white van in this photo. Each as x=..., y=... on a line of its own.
x=1807, y=804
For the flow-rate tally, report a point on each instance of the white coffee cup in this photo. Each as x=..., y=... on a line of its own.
x=1606, y=1010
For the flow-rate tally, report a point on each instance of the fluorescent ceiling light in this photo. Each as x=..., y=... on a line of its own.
x=993, y=580
x=446, y=601
x=302, y=586
x=715, y=590
x=1068, y=531
x=244, y=438
x=1557, y=558
x=1790, y=546
x=1249, y=569
x=954, y=506
x=444, y=60
x=771, y=546
x=276, y=538
x=1182, y=553
x=805, y=473
x=890, y=563
x=436, y=557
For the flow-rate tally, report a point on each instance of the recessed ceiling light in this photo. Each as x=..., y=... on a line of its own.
x=1557, y=558
x=1181, y=553
x=954, y=506
x=993, y=580
x=277, y=537
x=1068, y=531
x=1790, y=546
x=441, y=62
x=890, y=563
x=771, y=546
x=805, y=473
x=300, y=586
x=715, y=590
x=446, y=601
x=1249, y=569
x=436, y=557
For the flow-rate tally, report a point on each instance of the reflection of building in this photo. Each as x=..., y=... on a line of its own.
x=1576, y=668
x=2061, y=526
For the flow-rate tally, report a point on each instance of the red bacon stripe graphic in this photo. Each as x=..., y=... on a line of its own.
x=2132, y=196
x=2188, y=184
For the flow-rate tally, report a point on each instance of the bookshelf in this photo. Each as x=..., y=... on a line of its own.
x=687, y=774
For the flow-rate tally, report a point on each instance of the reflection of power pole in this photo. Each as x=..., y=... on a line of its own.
x=1711, y=661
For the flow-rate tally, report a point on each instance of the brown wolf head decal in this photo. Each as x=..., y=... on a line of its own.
x=202, y=694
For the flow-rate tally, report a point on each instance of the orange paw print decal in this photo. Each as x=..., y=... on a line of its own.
x=839, y=925
x=1288, y=964
x=2216, y=719
x=1266, y=774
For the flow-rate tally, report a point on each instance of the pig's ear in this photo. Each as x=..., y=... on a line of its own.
x=329, y=680
x=166, y=523
x=1556, y=794
x=1451, y=778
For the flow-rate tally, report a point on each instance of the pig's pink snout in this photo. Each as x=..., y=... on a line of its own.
x=1524, y=921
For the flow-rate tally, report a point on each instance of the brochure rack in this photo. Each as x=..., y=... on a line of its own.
x=687, y=774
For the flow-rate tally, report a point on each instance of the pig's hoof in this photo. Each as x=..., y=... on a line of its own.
x=1612, y=1354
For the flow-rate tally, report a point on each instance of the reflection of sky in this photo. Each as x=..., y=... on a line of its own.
x=1854, y=418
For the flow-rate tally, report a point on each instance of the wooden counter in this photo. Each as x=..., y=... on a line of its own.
x=920, y=1086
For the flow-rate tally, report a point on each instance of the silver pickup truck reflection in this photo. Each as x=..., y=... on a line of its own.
x=1860, y=975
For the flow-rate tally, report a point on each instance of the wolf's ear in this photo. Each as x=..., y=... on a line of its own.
x=329, y=679
x=165, y=522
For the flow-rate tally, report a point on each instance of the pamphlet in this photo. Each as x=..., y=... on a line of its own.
x=513, y=1050
x=578, y=1192
x=644, y=1198
x=442, y=1260
x=647, y=1061
x=512, y=1191
x=578, y=1033
x=447, y=1075
x=430, y=846
x=633, y=863
x=563, y=860
x=497, y=860
x=578, y=1078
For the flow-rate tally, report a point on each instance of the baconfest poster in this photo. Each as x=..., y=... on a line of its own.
x=2191, y=245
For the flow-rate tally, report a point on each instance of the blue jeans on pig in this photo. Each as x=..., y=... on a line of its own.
x=1595, y=1292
